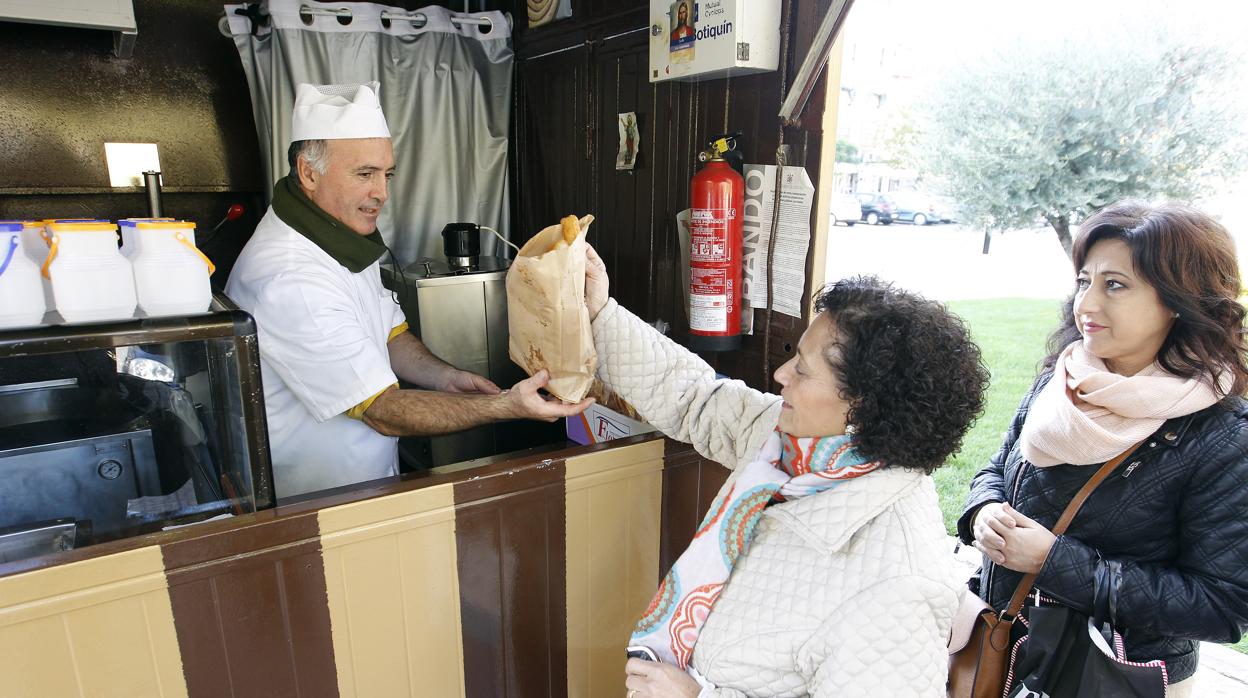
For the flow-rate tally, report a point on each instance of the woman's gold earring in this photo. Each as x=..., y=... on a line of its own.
x=1176, y=314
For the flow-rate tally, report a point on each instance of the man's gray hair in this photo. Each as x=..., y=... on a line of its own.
x=316, y=152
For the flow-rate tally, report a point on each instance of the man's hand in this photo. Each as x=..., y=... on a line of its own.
x=528, y=403
x=597, y=285
x=1011, y=539
x=646, y=679
x=457, y=381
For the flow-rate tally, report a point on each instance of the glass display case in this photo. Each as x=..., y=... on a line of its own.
x=113, y=430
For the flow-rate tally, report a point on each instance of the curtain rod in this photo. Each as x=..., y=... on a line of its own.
x=418, y=19
x=413, y=17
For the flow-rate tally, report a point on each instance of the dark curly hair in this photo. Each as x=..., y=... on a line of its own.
x=912, y=377
x=1189, y=259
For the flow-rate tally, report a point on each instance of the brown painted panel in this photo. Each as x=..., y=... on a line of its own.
x=690, y=483
x=251, y=611
x=510, y=545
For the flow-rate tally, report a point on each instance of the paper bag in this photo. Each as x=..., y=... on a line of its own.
x=547, y=321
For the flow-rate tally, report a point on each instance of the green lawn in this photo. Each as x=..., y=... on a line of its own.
x=1011, y=332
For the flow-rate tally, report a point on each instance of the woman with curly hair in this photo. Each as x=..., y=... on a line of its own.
x=1151, y=352
x=821, y=567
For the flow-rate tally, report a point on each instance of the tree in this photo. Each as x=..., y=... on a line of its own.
x=847, y=152
x=1056, y=130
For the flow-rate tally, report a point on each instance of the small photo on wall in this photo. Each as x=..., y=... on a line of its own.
x=630, y=141
x=546, y=11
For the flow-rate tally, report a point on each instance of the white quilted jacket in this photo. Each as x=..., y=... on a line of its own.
x=849, y=592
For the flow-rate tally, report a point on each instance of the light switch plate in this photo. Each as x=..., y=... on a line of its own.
x=128, y=161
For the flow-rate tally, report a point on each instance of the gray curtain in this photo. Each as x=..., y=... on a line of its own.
x=445, y=90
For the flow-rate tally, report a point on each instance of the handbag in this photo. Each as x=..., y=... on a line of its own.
x=1066, y=654
x=980, y=638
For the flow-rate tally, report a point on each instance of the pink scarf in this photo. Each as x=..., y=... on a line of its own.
x=1087, y=414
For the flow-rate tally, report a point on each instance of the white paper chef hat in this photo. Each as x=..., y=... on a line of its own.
x=338, y=111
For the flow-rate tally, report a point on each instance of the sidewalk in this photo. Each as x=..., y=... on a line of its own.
x=1223, y=672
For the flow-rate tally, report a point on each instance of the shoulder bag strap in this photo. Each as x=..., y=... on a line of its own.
x=1028, y=581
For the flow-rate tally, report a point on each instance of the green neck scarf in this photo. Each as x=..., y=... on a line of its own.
x=347, y=247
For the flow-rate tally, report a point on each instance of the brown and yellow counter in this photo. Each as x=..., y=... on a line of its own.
x=513, y=576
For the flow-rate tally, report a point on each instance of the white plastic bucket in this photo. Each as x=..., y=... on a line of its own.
x=21, y=294
x=35, y=240
x=170, y=273
x=91, y=281
x=130, y=237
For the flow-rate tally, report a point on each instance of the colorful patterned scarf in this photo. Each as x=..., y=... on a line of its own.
x=788, y=467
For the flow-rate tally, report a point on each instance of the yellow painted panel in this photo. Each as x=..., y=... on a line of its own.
x=612, y=459
x=98, y=627
x=614, y=513
x=385, y=510
x=36, y=661
x=390, y=573
x=112, y=649
x=107, y=577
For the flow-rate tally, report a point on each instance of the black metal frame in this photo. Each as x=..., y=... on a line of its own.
x=224, y=320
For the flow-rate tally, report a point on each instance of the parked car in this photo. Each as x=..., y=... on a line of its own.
x=948, y=209
x=876, y=208
x=917, y=208
x=845, y=209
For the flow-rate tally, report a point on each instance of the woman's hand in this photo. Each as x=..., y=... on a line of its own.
x=1011, y=539
x=646, y=679
x=597, y=285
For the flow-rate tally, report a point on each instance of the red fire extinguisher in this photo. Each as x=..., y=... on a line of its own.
x=717, y=196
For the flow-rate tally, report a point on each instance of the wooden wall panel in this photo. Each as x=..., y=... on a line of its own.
x=101, y=627
x=626, y=234
x=511, y=561
x=636, y=230
x=552, y=121
x=390, y=574
x=614, y=499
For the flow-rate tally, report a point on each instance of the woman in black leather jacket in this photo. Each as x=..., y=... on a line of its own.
x=1151, y=347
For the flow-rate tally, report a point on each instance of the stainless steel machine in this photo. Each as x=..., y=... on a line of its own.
x=60, y=439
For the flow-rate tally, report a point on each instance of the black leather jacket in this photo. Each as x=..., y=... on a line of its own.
x=1169, y=527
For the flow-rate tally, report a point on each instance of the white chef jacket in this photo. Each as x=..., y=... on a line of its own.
x=322, y=338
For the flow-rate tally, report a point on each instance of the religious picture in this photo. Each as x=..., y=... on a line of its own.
x=684, y=33
x=630, y=142
x=546, y=11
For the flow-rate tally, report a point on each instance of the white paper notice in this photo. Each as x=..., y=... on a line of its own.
x=797, y=195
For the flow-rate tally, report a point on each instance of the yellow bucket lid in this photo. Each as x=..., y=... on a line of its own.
x=82, y=227
x=164, y=225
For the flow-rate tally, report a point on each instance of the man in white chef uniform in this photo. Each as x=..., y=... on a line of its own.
x=333, y=342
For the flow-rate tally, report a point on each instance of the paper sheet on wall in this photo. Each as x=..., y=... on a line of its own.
x=797, y=195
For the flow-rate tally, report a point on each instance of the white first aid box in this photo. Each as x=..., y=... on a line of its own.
x=702, y=39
